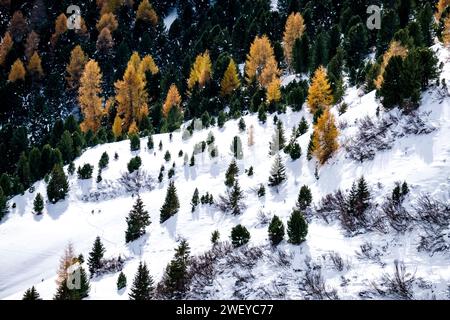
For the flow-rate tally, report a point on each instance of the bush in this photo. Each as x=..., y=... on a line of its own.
x=215, y=237
x=134, y=164
x=167, y=156
x=239, y=236
x=135, y=142
x=261, y=191
x=104, y=160
x=85, y=172
x=121, y=281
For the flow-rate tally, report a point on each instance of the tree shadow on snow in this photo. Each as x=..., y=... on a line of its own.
x=136, y=247
x=57, y=209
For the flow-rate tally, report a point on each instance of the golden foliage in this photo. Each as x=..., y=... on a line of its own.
x=131, y=94
x=32, y=44
x=325, y=137
x=395, y=49
x=148, y=64
x=294, y=29
x=75, y=67
x=34, y=66
x=446, y=32
x=60, y=28
x=17, y=26
x=104, y=41
x=200, y=71
x=320, y=94
x=5, y=46
x=230, y=80
x=89, y=97
x=65, y=262
x=440, y=8
x=261, y=64
x=173, y=99
x=17, y=71
x=108, y=20
x=133, y=129
x=117, y=127
x=273, y=93
x=145, y=12
x=109, y=6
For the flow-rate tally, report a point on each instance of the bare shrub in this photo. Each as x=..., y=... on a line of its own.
x=396, y=215
x=331, y=205
x=137, y=181
x=112, y=265
x=281, y=258
x=368, y=252
x=432, y=211
x=263, y=217
x=337, y=261
x=399, y=285
x=314, y=286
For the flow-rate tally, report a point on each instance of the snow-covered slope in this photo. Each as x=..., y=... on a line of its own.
x=30, y=245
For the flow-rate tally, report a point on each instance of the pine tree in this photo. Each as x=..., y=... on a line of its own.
x=31, y=294
x=89, y=97
x=276, y=230
x=239, y=236
x=304, y=198
x=221, y=119
x=65, y=145
x=135, y=142
x=58, y=187
x=150, y=144
x=230, y=81
x=319, y=92
x=23, y=170
x=325, y=137
x=121, y=281
x=173, y=99
x=3, y=204
x=96, y=256
x=17, y=72
x=75, y=68
x=195, y=200
x=34, y=66
x=192, y=161
x=38, y=204
x=297, y=227
x=391, y=88
x=138, y=219
x=104, y=160
x=355, y=46
x=395, y=49
x=277, y=173
x=142, y=288
x=236, y=148
x=241, y=124
x=215, y=236
x=231, y=173
x=294, y=29
x=201, y=71
x=300, y=54
x=171, y=204
x=261, y=64
x=262, y=116
x=167, y=156
x=236, y=196
x=175, y=280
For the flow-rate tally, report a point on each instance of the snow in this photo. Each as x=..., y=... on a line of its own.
x=274, y=5
x=170, y=18
x=31, y=245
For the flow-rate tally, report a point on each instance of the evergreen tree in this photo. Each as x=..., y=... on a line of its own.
x=38, y=204
x=221, y=119
x=262, y=116
x=391, y=89
x=239, y=236
x=142, y=288
x=23, y=170
x=31, y=294
x=355, y=47
x=261, y=191
x=276, y=230
x=236, y=148
x=65, y=145
x=138, y=219
x=231, y=173
x=301, y=54
x=236, y=197
x=96, y=256
x=304, y=198
x=134, y=164
x=175, y=280
x=135, y=142
x=150, y=143
x=215, y=236
x=278, y=172
x=171, y=204
x=241, y=124
x=121, y=281
x=35, y=159
x=104, y=160
x=192, y=161
x=297, y=227
x=167, y=156
x=195, y=200
x=85, y=172
x=58, y=187
x=295, y=151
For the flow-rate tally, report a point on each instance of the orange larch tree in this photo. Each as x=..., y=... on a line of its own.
x=325, y=137
x=294, y=29
x=320, y=94
x=173, y=99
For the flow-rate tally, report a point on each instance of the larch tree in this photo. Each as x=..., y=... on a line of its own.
x=89, y=97
x=173, y=99
x=294, y=29
x=325, y=137
x=34, y=66
x=67, y=259
x=131, y=96
x=60, y=28
x=18, y=26
x=74, y=69
x=230, y=81
x=446, y=32
x=117, y=127
x=5, y=47
x=146, y=13
x=200, y=71
x=32, y=44
x=261, y=61
x=107, y=20
x=104, y=41
x=17, y=71
x=440, y=8
x=395, y=49
x=320, y=94
x=273, y=93
x=148, y=65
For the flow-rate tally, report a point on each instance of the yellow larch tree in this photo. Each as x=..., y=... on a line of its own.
x=133, y=129
x=440, y=8
x=74, y=69
x=395, y=49
x=5, y=46
x=320, y=94
x=17, y=71
x=131, y=94
x=273, y=93
x=173, y=99
x=104, y=41
x=148, y=64
x=60, y=28
x=146, y=13
x=230, y=81
x=325, y=137
x=261, y=64
x=117, y=127
x=200, y=71
x=34, y=66
x=89, y=97
x=446, y=32
x=107, y=20
x=294, y=29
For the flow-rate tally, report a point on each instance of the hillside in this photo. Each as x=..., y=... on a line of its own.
x=32, y=245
